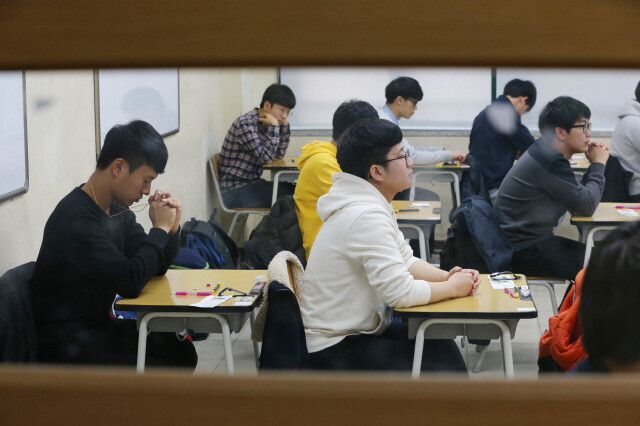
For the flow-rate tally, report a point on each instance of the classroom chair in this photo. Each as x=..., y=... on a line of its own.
x=18, y=338
x=237, y=212
x=279, y=323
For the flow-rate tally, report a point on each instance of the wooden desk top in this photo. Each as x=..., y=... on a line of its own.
x=425, y=215
x=486, y=303
x=441, y=166
x=284, y=163
x=158, y=295
x=606, y=214
x=579, y=164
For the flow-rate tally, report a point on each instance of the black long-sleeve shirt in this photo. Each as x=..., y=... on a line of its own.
x=86, y=258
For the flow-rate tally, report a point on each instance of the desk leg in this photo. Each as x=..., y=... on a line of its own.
x=591, y=240
x=422, y=239
x=144, y=327
x=507, y=354
x=257, y=347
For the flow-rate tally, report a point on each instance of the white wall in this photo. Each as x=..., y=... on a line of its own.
x=62, y=153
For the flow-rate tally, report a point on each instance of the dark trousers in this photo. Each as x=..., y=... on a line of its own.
x=256, y=195
x=390, y=351
x=116, y=343
x=553, y=257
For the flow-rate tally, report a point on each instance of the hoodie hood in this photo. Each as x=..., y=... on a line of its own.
x=631, y=108
x=342, y=192
x=313, y=148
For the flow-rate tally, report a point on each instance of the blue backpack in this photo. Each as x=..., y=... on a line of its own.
x=211, y=242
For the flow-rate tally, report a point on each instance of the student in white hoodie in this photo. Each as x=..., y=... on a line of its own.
x=361, y=265
x=625, y=143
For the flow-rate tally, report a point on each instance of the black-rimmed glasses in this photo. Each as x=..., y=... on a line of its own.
x=240, y=293
x=405, y=156
x=586, y=127
x=504, y=276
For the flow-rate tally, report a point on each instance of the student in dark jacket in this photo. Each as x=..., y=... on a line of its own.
x=608, y=309
x=93, y=249
x=497, y=134
x=541, y=188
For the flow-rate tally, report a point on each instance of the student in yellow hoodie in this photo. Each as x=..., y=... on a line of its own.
x=318, y=163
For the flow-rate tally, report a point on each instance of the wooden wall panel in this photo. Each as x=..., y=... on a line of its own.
x=103, y=33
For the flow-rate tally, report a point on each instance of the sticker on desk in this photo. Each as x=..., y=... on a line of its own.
x=578, y=156
x=501, y=284
x=627, y=212
x=526, y=309
x=211, y=301
x=243, y=300
x=419, y=204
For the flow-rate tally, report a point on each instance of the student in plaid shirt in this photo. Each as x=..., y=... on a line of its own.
x=254, y=139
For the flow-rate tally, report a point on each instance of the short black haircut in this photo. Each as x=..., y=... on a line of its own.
x=516, y=88
x=348, y=113
x=561, y=112
x=138, y=143
x=610, y=293
x=638, y=92
x=406, y=87
x=279, y=94
x=365, y=143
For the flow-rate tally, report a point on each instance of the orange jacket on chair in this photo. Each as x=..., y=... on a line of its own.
x=563, y=340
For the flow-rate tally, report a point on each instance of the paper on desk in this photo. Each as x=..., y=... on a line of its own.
x=419, y=204
x=501, y=284
x=627, y=212
x=243, y=300
x=211, y=301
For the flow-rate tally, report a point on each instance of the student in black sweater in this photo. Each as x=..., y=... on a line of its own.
x=93, y=249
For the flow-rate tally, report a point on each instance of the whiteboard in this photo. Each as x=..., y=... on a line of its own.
x=150, y=95
x=14, y=172
x=605, y=92
x=452, y=96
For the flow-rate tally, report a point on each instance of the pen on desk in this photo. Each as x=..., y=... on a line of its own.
x=405, y=210
x=193, y=293
x=215, y=288
x=628, y=207
x=510, y=292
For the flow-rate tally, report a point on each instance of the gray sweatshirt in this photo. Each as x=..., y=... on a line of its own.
x=539, y=189
x=625, y=143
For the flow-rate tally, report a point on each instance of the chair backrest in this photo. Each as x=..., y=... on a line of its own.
x=284, y=345
x=278, y=231
x=18, y=342
x=617, y=179
x=215, y=176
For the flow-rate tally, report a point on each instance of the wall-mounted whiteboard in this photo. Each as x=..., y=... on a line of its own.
x=150, y=95
x=14, y=171
x=605, y=92
x=452, y=96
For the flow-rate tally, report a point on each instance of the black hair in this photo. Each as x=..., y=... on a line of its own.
x=516, y=88
x=561, y=112
x=279, y=94
x=138, y=143
x=365, y=143
x=348, y=113
x=638, y=92
x=610, y=293
x=406, y=87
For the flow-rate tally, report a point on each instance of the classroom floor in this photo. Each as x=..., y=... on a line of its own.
x=524, y=343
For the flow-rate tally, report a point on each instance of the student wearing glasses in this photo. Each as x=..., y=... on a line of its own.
x=403, y=95
x=541, y=188
x=255, y=139
x=361, y=265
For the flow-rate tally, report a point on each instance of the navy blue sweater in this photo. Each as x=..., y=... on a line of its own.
x=496, y=137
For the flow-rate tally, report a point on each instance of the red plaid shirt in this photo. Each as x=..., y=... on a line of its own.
x=249, y=145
